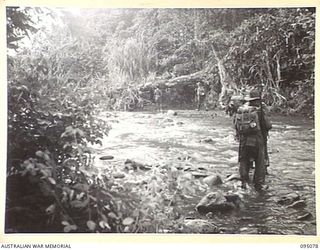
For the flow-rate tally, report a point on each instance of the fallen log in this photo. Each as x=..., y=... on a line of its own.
x=185, y=80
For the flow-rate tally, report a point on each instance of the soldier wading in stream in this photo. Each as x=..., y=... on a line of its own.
x=252, y=124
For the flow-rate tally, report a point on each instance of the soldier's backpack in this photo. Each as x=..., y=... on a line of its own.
x=247, y=120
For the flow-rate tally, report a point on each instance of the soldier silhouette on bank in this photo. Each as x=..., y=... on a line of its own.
x=158, y=99
x=200, y=96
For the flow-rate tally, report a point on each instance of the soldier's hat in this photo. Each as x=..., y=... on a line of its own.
x=253, y=95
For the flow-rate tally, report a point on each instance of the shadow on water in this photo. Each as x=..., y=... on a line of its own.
x=152, y=137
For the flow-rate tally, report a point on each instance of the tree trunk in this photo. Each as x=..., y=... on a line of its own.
x=227, y=84
x=196, y=24
x=278, y=71
x=268, y=69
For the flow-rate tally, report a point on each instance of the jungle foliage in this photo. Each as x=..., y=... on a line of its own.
x=65, y=68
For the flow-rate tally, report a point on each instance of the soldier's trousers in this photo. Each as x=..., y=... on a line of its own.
x=200, y=101
x=254, y=151
x=158, y=101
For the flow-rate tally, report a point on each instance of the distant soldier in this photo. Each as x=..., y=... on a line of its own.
x=252, y=125
x=200, y=96
x=158, y=99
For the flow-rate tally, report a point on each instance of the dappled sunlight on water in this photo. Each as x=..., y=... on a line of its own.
x=154, y=138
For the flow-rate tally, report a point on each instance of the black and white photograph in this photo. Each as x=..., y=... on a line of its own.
x=160, y=121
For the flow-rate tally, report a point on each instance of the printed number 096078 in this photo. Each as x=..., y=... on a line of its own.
x=308, y=246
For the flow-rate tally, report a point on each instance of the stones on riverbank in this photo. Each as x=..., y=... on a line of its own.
x=213, y=180
x=306, y=216
x=288, y=199
x=167, y=120
x=217, y=202
x=295, y=201
x=199, y=226
x=197, y=175
x=298, y=204
x=172, y=113
x=207, y=140
x=106, y=157
x=233, y=177
x=130, y=164
x=184, y=158
x=118, y=175
x=113, y=121
x=185, y=168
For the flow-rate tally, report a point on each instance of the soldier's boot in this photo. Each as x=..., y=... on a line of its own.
x=243, y=185
x=261, y=187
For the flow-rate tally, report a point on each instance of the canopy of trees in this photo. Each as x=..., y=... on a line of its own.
x=117, y=49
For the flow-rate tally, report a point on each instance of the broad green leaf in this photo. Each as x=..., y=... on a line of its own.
x=39, y=153
x=50, y=210
x=69, y=228
x=65, y=223
x=127, y=221
x=52, y=181
x=91, y=225
x=104, y=224
x=112, y=215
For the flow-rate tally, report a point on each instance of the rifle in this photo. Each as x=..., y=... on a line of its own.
x=264, y=130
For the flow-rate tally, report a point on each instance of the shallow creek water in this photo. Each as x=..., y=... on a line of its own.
x=157, y=138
